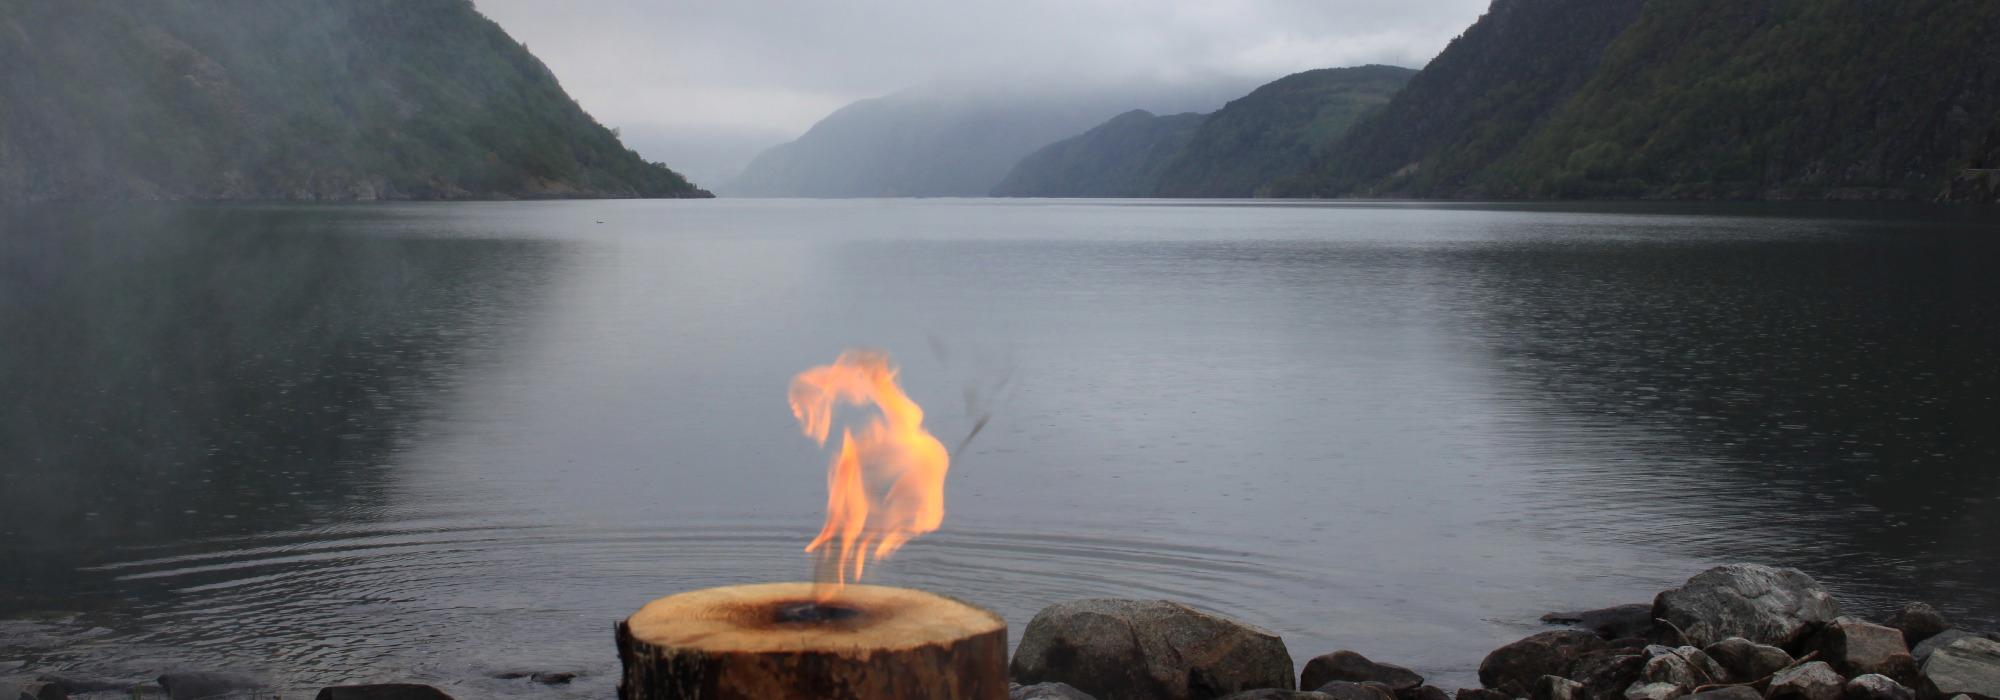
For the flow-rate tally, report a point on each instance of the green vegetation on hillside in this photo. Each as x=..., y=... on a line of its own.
x=292, y=99
x=1119, y=158
x=1276, y=130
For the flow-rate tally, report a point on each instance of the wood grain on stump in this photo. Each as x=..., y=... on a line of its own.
x=773, y=640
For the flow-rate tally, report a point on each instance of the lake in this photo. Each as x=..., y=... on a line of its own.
x=436, y=441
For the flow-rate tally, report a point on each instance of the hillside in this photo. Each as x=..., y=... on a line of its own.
x=955, y=138
x=292, y=99
x=1772, y=99
x=1276, y=130
x=1123, y=157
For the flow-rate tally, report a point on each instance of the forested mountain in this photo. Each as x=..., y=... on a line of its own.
x=292, y=99
x=1119, y=158
x=950, y=138
x=1276, y=130
x=1771, y=99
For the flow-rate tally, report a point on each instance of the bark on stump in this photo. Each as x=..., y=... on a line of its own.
x=774, y=640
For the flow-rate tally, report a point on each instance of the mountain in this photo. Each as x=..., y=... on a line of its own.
x=950, y=138
x=292, y=99
x=1765, y=99
x=1277, y=129
x=1123, y=157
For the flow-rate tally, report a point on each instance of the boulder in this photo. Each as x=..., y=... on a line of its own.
x=1276, y=694
x=1746, y=661
x=1809, y=681
x=1918, y=622
x=1875, y=686
x=1424, y=692
x=1480, y=694
x=190, y=685
x=1969, y=666
x=1350, y=666
x=1606, y=674
x=1653, y=691
x=1728, y=692
x=1514, y=668
x=1117, y=649
x=1350, y=690
x=31, y=690
x=1046, y=691
x=382, y=691
x=1686, y=668
x=1855, y=648
x=1615, y=622
x=1556, y=688
x=78, y=685
x=1763, y=604
x=1922, y=652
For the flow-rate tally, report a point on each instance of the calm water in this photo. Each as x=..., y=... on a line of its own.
x=435, y=441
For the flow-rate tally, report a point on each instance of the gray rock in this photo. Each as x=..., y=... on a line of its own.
x=1969, y=666
x=31, y=690
x=1922, y=652
x=1424, y=692
x=1687, y=668
x=1046, y=691
x=1763, y=604
x=1480, y=694
x=1118, y=649
x=1855, y=648
x=1555, y=688
x=1747, y=661
x=1350, y=690
x=1276, y=694
x=1653, y=691
x=1875, y=686
x=382, y=691
x=1729, y=692
x=1809, y=681
x=1615, y=622
x=1918, y=622
x=1350, y=666
x=191, y=685
x=1514, y=668
x=1606, y=674
x=78, y=685
x=552, y=677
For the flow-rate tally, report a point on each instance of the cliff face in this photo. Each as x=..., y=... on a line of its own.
x=292, y=99
x=1119, y=158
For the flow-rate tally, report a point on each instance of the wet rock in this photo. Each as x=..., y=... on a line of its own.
x=1606, y=674
x=1555, y=688
x=552, y=677
x=1276, y=694
x=1350, y=690
x=1875, y=686
x=190, y=685
x=1809, y=681
x=1747, y=661
x=1424, y=692
x=1969, y=666
x=1046, y=691
x=1855, y=647
x=1118, y=649
x=382, y=691
x=1653, y=691
x=1922, y=652
x=1615, y=622
x=1514, y=668
x=1731, y=692
x=31, y=690
x=1763, y=604
x=1480, y=694
x=1350, y=666
x=1918, y=622
x=1686, y=668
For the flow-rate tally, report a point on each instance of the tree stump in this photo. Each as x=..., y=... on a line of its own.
x=775, y=640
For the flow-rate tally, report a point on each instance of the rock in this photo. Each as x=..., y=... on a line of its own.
x=1350, y=666
x=1119, y=649
x=1875, y=686
x=382, y=691
x=1480, y=694
x=1938, y=641
x=1350, y=690
x=1424, y=692
x=1686, y=668
x=1733, y=692
x=189, y=685
x=1918, y=622
x=77, y=685
x=1276, y=694
x=31, y=690
x=1046, y=691
x=1855, y=647
x=552, y=677
x=1606, y=674
x=1514, y=668
x=1746, y=661
x=1809, y=681
x=1615, y=622
x=1653, y=691
x=1969, y=666
x=1763, y=604
x=1556, y=688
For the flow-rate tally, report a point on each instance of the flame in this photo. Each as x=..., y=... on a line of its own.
x=892, y=451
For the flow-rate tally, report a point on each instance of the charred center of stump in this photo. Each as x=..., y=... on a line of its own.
x=814, y=613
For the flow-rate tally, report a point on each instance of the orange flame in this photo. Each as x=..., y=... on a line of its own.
x=893, y=449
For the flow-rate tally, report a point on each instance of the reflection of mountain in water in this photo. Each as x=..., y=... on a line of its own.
x=1811, y=400
x=178, y=374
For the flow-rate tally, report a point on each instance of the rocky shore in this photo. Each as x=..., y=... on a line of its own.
x=1735, y=632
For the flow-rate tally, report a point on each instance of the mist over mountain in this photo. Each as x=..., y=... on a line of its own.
x=293, y=99
x=1119, y=158
x=953, y=138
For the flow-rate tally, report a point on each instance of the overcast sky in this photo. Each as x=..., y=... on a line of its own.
x=732, y=76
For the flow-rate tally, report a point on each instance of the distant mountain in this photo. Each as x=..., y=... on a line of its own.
x=1276, y=130
x=292, y=99
x=950, y=139
x=1766, y=99
x=1123, y=157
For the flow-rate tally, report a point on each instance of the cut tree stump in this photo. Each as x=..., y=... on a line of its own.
x=772, y=640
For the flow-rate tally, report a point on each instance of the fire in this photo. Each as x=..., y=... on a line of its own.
x=886, y=483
